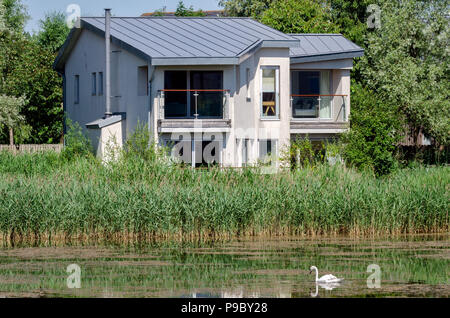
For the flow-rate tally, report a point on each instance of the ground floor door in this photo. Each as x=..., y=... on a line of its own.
x=195, y=151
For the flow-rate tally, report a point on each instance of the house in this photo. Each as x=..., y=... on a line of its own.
x=213, y=89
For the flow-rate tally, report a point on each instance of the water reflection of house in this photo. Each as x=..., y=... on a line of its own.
x=234, y=85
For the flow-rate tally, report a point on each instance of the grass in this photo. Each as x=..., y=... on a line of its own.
x=44, y=197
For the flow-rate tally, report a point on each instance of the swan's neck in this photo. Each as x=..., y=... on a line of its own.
x=317, y=291
x=317, y=273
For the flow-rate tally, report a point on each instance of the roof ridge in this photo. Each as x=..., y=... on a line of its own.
x=315, y=34
x=168, y=17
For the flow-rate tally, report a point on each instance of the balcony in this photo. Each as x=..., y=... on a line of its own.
x=193, y=109
x=319, y=113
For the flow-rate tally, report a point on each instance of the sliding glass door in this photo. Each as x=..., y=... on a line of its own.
x=207, y=102
x=193, y=94
x=311, y=94
x=175, y=102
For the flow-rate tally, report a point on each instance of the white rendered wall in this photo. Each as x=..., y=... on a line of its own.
x=88, y=56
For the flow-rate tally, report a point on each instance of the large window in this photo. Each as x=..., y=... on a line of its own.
x=309, y=94
x=270, y=92
x=193, y=94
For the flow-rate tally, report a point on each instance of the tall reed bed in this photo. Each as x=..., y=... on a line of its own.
x=43, y=196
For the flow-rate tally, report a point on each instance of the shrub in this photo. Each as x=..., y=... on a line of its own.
x=140, y=144
x=302, y=153
x=76, y=143
x=372, y=139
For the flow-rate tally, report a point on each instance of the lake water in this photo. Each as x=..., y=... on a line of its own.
x=410, y=266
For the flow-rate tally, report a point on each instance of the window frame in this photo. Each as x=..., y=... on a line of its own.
x=76, y=100
x=277, y=92
x=189, y=103
x=331, y=91
x=248, y=78
x=100, y=83
x=93, y=83
x=274, y=146
x=141, y=70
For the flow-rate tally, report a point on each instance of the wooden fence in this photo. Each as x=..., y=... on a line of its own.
x=31, y=148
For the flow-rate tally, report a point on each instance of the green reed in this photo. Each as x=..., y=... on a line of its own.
x=44, y=196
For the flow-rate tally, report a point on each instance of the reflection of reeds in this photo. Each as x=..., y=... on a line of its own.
x=44, y=198
x=249, y=268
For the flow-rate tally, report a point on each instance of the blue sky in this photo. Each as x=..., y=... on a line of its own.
x=38, y=8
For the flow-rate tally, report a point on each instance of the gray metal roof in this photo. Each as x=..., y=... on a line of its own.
x=319, y=47
x=184, y=40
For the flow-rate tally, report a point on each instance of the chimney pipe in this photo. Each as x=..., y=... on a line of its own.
x=108, y=112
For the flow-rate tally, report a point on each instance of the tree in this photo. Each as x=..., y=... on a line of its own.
x=245, y=8
x=299, y=16
x=351, y=17
x=54, y=31
x=35, y=78
x=407, y=60
x=159, y=12
x=371, y=141
x=10, y=116
x=15, y=15
x=183, y=11
x=2, y=18
x=26, y=69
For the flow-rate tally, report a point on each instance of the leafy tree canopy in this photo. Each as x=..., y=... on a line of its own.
x=245, y=8
x=299, y=16
x=183, y=11
x=15, y=15
x=54, y=31
x=407, y=61
x=10, y=108
x=351, y=16
x=26, y=70
x=375, y=125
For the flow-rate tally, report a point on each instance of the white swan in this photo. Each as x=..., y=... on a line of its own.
x=326, y=278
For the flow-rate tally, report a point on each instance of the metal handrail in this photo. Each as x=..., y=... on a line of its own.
x=193, y=90
x=343, y=107
x=196, y=115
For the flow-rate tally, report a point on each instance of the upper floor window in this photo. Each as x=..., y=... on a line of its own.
x=143, y=81
x=100, y=83
x=270, y=92
x=193, y=94
x=248, y=77
x=94, y=84
x=77, y=89
x=311, y=92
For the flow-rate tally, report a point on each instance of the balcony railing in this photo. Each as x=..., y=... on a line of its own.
x=193, y=103
x=312, y=106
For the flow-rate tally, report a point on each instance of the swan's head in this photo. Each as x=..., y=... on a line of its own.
x=312, y=268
